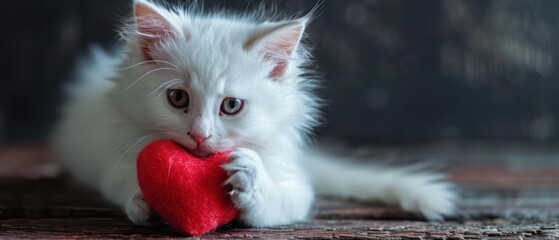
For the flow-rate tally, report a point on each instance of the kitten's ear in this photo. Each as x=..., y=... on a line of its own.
x=277, y=43
x=151, y=25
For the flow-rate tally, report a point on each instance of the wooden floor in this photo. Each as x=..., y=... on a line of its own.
x=499, y=199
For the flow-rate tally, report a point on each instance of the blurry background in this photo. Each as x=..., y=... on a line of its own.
x=396, y=72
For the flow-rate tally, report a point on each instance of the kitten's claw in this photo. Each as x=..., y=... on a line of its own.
x=247, y=177
x=233, y=192
x=140, y=212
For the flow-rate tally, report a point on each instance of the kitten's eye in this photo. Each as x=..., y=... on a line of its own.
x=178, y=98
x=231, y=106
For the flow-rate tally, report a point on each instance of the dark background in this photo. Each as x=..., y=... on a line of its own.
x=395, y=71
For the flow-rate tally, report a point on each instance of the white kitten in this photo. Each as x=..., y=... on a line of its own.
x=213, y=83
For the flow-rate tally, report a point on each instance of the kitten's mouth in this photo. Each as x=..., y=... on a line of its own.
x=198, y=152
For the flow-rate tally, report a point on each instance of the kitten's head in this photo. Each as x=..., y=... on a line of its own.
x=215, y=82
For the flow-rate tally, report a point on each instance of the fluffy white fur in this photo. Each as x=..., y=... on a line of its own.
x=121, y=104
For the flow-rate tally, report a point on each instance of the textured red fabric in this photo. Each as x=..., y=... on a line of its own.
x=186, y=191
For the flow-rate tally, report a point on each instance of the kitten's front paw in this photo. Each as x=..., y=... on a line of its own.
x=247, y=177
x=140, y=212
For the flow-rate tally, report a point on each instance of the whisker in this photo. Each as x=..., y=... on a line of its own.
x=149, y=61
x=158, y=95
x=119, y=148
x=145, y=74
x=123, y=146
x=125, y=152
x=168, y=83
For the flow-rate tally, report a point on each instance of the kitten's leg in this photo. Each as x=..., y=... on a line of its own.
x=120, y=185
x=263, y=201
x=140, y=212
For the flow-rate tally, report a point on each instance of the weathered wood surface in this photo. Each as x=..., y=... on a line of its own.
x=506, y=205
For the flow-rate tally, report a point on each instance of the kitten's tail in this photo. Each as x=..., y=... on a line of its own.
x=414, y=191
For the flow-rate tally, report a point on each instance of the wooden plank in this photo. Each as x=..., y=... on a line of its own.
x=496, y=201
x=59, y=208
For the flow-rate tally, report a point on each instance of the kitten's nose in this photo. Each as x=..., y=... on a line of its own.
x=198, y=138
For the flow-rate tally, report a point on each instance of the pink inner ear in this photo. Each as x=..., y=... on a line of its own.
x=280, y=47
x=153, y=28
x=278, y=69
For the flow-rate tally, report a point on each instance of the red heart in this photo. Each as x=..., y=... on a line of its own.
x=185, y=190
